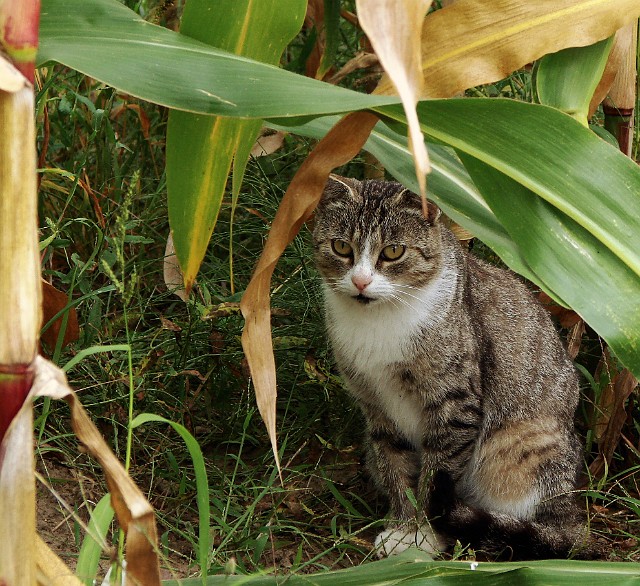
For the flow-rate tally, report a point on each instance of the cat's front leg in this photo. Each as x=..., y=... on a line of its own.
x=394, y=463
x=396, y=539
x=394, y=466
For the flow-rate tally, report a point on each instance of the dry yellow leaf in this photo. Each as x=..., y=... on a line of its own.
x=473, y=42
x=393, y=28
x=338, y=147
x=51, y=570
x=619, y=51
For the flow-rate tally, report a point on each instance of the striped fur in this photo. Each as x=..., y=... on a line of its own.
x=459, y=374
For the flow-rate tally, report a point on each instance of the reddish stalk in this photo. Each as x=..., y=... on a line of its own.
x=19, y=22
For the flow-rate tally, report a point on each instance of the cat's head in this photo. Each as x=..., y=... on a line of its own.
x=373, y=242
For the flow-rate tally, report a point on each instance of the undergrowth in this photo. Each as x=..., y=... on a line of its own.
x=104, y=229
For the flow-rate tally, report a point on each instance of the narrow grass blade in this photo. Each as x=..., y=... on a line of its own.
x=94, y=350
x=202, y=484
x=93, y=543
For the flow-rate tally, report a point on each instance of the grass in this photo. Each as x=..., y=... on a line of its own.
x=104, y=230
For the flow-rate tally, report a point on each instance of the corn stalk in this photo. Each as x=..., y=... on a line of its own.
x=19, y=326
x=619, y=105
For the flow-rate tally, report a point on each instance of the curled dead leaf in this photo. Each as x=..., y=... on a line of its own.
x=338, y=147
x=173, y=277
x=133, y=511
x=268, y=142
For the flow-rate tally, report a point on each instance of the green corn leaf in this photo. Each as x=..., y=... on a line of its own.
x=566, y=80
x=202, y=149
x=109, y=42
x=415, y=568
x=599, y=286
x=578, y=228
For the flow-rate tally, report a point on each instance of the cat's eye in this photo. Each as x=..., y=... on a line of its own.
x=392, y=252
x=341, y=248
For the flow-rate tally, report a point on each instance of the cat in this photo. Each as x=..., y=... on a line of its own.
x=465, y=387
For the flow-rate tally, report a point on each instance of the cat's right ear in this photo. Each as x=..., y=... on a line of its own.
x=339, y=188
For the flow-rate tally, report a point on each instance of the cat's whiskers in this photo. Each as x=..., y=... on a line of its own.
x=393, y=297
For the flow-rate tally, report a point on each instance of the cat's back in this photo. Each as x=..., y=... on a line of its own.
x=524, y=359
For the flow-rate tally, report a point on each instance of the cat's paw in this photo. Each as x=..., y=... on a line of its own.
x=397, y=539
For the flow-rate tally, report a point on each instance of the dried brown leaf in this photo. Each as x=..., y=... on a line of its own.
x=53, y=301
x=622, y=94
x=315, y=19
x=133, y=511
x=566, y=317
x=338, y=147
x=362, y=60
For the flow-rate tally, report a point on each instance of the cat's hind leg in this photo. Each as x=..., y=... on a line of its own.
x=518, y=495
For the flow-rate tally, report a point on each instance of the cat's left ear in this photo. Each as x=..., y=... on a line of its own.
x=433, y=212
x=413, y=200
x=337, y=188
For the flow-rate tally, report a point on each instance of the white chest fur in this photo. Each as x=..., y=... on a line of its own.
x=372, y=338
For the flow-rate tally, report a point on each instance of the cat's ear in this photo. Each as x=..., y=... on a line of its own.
x=338, y=187
x=413, y=200
x=433, y=212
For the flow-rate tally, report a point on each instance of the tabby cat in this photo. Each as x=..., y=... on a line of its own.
x=467, y=392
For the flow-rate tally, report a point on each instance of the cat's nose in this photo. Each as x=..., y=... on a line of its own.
x=361, y=281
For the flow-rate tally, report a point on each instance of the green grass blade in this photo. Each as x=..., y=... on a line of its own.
x=92, y=545
x=202, y=485
x=201, y=149
x=95, y=350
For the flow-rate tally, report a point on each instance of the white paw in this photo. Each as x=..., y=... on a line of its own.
x=397, y=539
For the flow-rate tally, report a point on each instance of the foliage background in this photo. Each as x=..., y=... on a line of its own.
x=104, y=227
